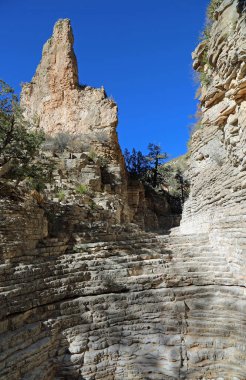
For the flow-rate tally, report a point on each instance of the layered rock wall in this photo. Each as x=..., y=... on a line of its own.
x=217, y=155
x=88, y=297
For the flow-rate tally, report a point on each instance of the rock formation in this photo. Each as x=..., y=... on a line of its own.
x=85, y=295
x=62, y=105
x=217, y=150
x=57, y=98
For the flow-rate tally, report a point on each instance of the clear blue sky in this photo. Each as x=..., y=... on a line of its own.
x=139, y=50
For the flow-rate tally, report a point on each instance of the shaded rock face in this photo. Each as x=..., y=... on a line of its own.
x=87, y=297
x=151, y=210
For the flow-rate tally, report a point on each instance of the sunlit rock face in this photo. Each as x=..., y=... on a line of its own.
x=217, y=164
x=217, y=203
x=84, y=295
x=62, y=105
x=57, y=98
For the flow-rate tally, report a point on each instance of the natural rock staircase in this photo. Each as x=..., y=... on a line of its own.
x=130, y=306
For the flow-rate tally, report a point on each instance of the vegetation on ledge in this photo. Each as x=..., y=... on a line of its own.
x=20, y=142
x=152, y=171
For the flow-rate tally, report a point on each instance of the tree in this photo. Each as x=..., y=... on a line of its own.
x=167, y=177
x=174, y=174
x=137, y=164
x=19, y=141
x=182, y=185
x=146, y=167
x=155, y=158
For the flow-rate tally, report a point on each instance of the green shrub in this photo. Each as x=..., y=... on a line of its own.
x=66, y=141
x=82, y=189
x=205, y=34
x=103, y=161
x=20, y=140
x=92, y=155
x=78, y=144
x=101, y=137
x=61, y=195
x=214, y=4
x=205, y=60
x=61, y=141
x=92, y=205
x=205, y=79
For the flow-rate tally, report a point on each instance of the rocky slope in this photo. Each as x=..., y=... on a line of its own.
x=86, y=296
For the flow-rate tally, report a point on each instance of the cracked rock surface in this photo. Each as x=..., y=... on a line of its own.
x=99, y=298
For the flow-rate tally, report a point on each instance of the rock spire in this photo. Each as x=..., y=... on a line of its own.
x=55, y=96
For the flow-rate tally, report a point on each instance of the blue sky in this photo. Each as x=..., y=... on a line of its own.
x=139, y=50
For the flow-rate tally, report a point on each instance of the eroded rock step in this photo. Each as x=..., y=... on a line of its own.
x=147, y=308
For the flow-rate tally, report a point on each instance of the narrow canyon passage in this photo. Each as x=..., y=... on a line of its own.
x=133, y=305
x=86, y=291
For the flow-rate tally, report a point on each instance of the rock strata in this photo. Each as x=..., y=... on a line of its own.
x=85, y=295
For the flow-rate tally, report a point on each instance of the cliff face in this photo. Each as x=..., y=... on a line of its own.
x=86, y=295
x=62, y=105
x=217, y=156
x=216, y=205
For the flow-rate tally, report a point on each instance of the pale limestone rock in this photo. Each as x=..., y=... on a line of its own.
x=56, y=96
x=62, y=105
x=95, y=299
x=221, y=140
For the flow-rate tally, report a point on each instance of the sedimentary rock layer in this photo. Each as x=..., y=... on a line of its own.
x=85, y=298
x=120, y=304
x=217, y=155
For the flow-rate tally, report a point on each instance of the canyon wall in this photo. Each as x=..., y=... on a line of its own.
x=216, y=205
x=217, y=151
x=88, y=295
